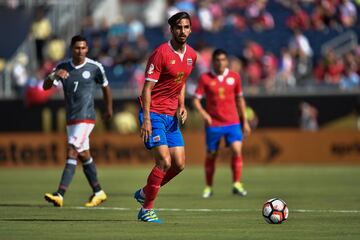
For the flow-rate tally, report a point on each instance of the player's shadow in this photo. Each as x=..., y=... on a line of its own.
x=49, y=219
x=21, y=205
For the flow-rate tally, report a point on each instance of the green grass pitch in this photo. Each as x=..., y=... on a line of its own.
x=324, y=203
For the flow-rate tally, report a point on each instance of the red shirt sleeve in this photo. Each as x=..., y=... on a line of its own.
x=154, y=66
x=200, y=89
x=238, y=86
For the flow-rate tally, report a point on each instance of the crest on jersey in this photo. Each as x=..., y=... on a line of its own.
x=151, y=69
x=172, y=62
x=156, y=138
x=189, y=61
x=230, y=80
x=86, y=74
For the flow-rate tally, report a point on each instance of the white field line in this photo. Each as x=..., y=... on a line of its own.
x=217, y=210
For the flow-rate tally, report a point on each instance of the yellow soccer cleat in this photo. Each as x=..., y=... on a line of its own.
x=238, y=189
x=54, y=198
x=96, y=199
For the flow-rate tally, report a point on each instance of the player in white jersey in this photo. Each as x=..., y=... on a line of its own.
x=80, y=77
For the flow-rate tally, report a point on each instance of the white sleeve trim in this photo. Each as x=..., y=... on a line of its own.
x=199, y=96
x=56, y=82
x=105, y=83
x=151, y=80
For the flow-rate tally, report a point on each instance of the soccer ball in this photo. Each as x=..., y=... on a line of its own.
x=275, y=211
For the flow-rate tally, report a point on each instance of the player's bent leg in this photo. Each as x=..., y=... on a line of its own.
x=54, y=198
x=96, y=199
x=148, y=215
x=177, y=163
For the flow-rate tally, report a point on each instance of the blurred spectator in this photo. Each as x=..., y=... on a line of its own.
x=269, y=69
x=253, y=50
x=329, y=69
x=56, y=49
x=301, y=52
x=258, y=17
x=96, y=47
x=299, y=19
x=135, y=29
x=349, y=80
x=324, y=14
x=41, y=31
x=205, y=16
x=285, y=77
x=13, y=4
x=308, y=117
x=252, y=54
x=348, y=13
x=20, y=73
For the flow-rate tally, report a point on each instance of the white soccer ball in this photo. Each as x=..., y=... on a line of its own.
x=275, y=211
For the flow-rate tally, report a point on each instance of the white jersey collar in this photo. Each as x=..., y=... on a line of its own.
x=181, y=55
x=78, y=66
x=221, y=77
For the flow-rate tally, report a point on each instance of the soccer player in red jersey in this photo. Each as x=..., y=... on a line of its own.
x=225, y=107
x=162, y=101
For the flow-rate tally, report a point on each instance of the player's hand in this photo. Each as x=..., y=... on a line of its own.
x=246, y=128
x=145, y=130
x=182, y=114
x=208, y=119
x=107, y=115
x=62, y=73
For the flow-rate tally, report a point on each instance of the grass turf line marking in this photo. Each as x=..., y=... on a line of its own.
x=216, y=210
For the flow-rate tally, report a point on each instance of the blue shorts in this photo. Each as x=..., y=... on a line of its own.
x=165, y=130
x=231, y=134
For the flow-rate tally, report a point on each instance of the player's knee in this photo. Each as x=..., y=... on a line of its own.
x=211, y=155
x=84, y=156
x=236, y=154
x=181, y=167
x=71, y=152
x=164, y=163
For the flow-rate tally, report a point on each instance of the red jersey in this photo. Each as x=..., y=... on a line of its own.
x=220, y=93
x=169, y=70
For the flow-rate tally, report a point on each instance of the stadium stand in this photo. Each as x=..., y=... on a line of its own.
x=122, y=39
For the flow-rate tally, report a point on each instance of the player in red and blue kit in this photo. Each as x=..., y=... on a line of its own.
x=225, y=107
x=162, y=102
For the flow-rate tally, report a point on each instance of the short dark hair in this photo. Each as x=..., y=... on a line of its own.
x=77, y=38
x=218, y=52
x=174, y=19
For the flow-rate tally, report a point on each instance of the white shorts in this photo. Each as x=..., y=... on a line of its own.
x=78, y=135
